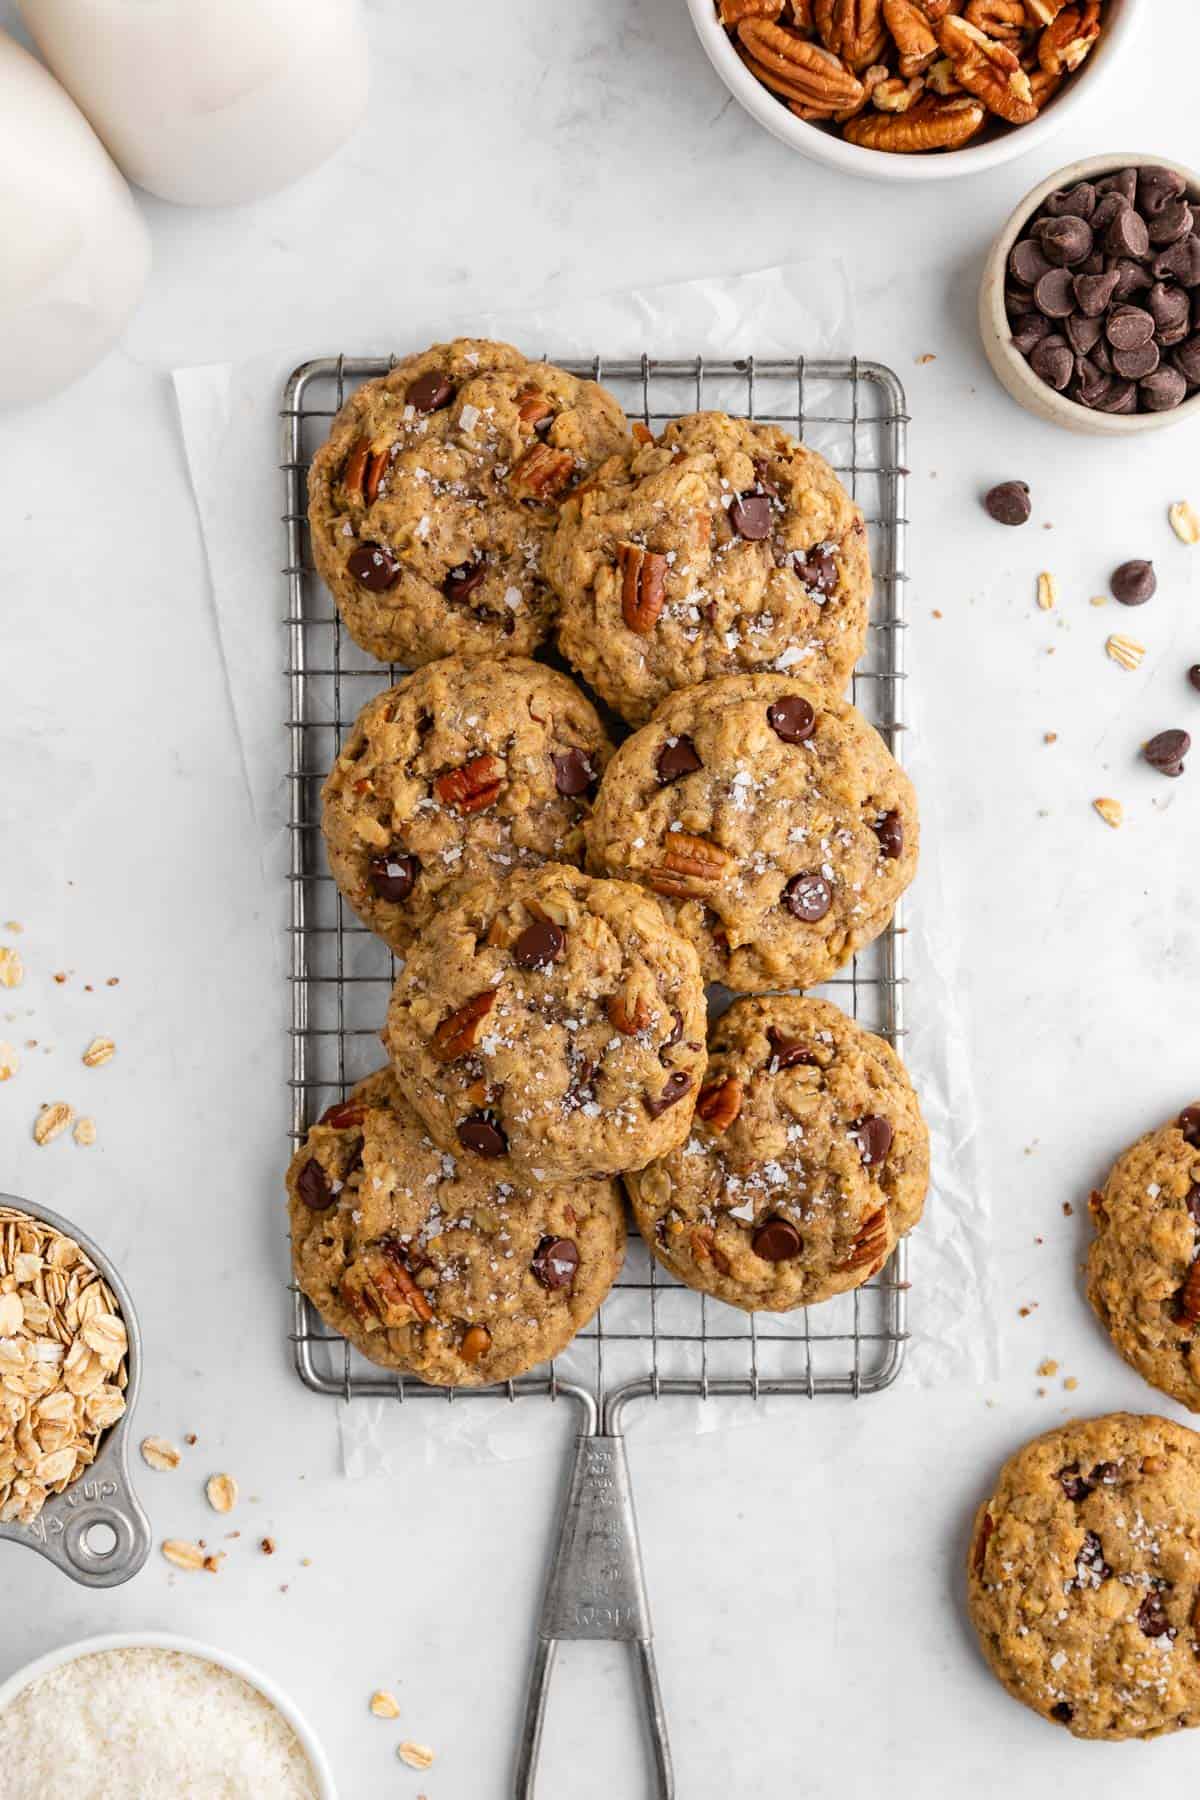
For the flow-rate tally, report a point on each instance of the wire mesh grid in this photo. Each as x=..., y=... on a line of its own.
x=652, y=1336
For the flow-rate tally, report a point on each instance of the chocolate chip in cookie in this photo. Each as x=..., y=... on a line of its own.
x=677, y=757
x=393, y=875
x=481, y=1134
x=808, y=896
x=777, y=1240
x=792, y=719
x=555, y=1262
x=539, y=945
x=430, y=392
x=374, y=567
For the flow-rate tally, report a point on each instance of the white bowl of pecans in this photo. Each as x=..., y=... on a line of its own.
x=913, y=90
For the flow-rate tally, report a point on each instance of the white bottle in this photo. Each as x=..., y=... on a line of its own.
x=210, y=102
x=75, y=253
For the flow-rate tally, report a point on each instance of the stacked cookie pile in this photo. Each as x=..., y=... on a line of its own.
x=561, y=904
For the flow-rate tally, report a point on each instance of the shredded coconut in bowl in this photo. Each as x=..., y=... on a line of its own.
x=152, y=1723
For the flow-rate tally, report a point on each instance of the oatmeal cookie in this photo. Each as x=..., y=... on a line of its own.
x=443, y=1267
x=772, y=822
x=1082, y=1576
x=468, y=769
x=1144, y=1264
x=553, y=1019
x=431, y=502
x=808, y=1158
x=723, y=549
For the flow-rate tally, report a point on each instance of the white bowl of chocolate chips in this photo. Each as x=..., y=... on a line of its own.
x=1090, y=300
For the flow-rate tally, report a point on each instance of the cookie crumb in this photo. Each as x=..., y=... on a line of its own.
x=1048, y=1367
x=1068, y=1209
x=267, y=1546
x=14, y=925
x=1049, y=737
x=937, y=612
x=1071, y=1383
x=1111, y=811
x=924, y=361
x=85, y=1132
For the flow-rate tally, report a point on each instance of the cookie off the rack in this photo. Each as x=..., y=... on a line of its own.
x=443, y=1267
x=772, y=821
x=555, y=1020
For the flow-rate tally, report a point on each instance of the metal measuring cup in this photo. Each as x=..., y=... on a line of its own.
x=95, y=1531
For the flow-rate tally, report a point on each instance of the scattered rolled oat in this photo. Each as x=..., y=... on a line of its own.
x=8, y=1062
x=222, y=1492
x=1047, y=591
x=12, y=969
x=85, y=1132
x=1098, y=600
x=100, y=1050
x=1111, y=811
x=160, y=1453
x=1185, y=522
x=52, y=1121
x=1048, y=1367
x=1071, y=1383
x=1125, y=650
x=383, y=1705
x=417, y=1756
x=182, y=1554
x=14, y=925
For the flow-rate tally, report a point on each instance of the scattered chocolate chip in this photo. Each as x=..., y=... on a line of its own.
x=792, y=719
x=1079, y=201
x=1063, y=1711
x=776, y=1240
x=1136, y=364
x=1189, y=1124
x=1064, y=240
x=1027, y=262
x=393, y=875
x=1134, y=582
x=874, y=1137
x=1094, y=292
x=1194, y=676
x=429, y=393
x=539, y=945
x=461, y=582
x=676, y=1087
x=1164, y=390
x=555, y=1262
x=1090, y=1566
x=573, y=772
x=1127, y=234
x=890, y=832
x=1053, y=360
x=481, y=1134
x=1072, y=1483
x=1173, y=222
x=1152, y=1617
x=374, y=567
x=816, y=569
x=1129, y=327
x=788, y=1053
x=1055, y=294
x=1166, y=751
x=750, y=516
x=677, y=757
x=1008, y=502
x=808, y=897
x=314, y=1187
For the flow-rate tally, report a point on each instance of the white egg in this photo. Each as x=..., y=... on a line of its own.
x=209, y=102
x=75, y=250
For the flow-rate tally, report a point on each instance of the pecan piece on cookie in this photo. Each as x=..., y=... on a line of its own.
x=459, y=1031
x=932, y=124
x=541, y=473
x=800, y=71
x=643, y=587
x=990, y=71
x=471, y=787
x=720, y=1103
x=871, y=1241
x=909, y=26
x=852, y=29
x=362, y=471
x=690, y=867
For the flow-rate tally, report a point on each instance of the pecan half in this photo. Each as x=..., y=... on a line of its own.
x=379, y=1289
x=852, y=29
x=1187, y=1301
x=534, y=408
x=802, y=15
x=471, y=787
x=720, y=1103
x=362, y=471
x=396, y=1285
x=990, y=71
x=705, y=1248
x=541, y=473
x=632, y=1009
x=643, y=587
x=732, y=12
x=871, y=1242
x=690, y=867
x=913, y=34
x=800, y=71
x=932, y=124
x=1043, y=12
x=459, y=1030
x=1064, y=44
x=1002, y=19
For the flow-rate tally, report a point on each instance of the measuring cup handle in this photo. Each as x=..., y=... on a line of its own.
x=101, y=1501
x=596, y=1589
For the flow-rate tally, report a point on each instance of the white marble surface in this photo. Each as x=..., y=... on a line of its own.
x=805, y=1576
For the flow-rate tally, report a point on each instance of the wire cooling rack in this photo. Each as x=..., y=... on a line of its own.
x=652, y=1336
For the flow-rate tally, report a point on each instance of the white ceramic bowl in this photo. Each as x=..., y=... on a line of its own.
x=161, y=1640
x=821, y=145
x=1010, y=367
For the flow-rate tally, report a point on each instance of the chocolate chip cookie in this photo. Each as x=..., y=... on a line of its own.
x=771, y=821
x=443, y=1267
x=723, y=549
x=431, y=501
x=1083, y=1572
x=552, y=1019
x=807, y=1159
x=470, y=768
x=1144, y=1264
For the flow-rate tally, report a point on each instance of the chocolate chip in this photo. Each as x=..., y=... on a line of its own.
x=1093, y=292
x=788, y=1053
x=1008, y=502
x=429, y=393
x=1072, y=1483
x=539, y=945
x=1171, y=224
x=1122, y=397
x=1063, y=1711
x=1134, y=582
x=1092, y=265
x=1127, y=234
x=1107, y=208
x=676, y=1087
x=1121, y=181
x=1132, y=277
x=1090, y=1566
x=1129, y=327
x=1028, y=330
x=1054, y=361
x=808, y=896
x=1187, y=360
x=816, y=569
x=750, y=516
x=1027, y=262
x=1064, y=241
x=374, y=567
x=874, y=1137
x=1194, y=676
x=1168, y=305
x=555, y=1261
x=677, y=757
x=314, y=1187
x=1104, y=1474
x=792, y=719
x=1101, y=354
x=1189, y=1124
x=1079, y=201
x=1166, y=751
x=1163, y=391
x=1055, y=294
x=573, y=772
x=1091, y=382
x=480, y=1133
x=890, y=832
x=393, y=875
x=1181, y=262
x=1157, y=187
x=1152, y=1617
x=1135, y=364
x=776, y=1240
x=1017, y=298
x=461, y=582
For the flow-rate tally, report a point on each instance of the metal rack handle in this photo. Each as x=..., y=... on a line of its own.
x=596, y=1589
